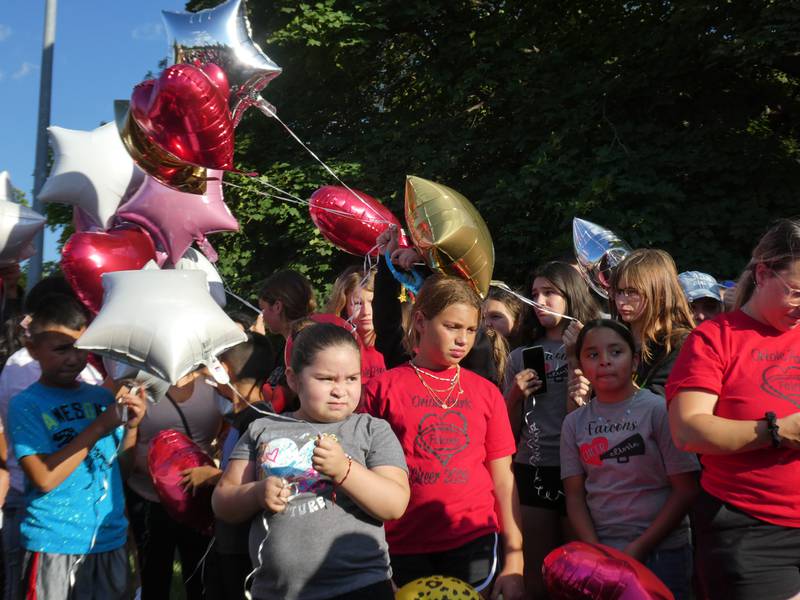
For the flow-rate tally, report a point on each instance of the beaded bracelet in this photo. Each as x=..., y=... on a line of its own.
x=336, y=485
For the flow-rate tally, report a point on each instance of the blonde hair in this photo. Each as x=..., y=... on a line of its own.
x=347, y=283
x=436, y=294
x=666, y=317
x=776, y=249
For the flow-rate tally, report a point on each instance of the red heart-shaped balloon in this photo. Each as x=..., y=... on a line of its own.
x=185, y=113
x=89, y=254
x=350, y=220
x=170, y=453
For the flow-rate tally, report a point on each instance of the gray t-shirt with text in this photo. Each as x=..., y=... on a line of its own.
x=316, y=549
x=542, y=413
x=626, y=453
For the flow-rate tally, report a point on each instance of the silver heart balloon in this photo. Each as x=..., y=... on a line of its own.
x=598, y=251
x=163, y=322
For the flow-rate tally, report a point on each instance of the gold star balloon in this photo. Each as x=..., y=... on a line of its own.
x=449, y=232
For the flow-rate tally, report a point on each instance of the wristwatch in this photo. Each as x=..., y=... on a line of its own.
x=772, y=428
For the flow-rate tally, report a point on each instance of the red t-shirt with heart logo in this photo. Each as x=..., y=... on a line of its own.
x=447, y=450
x=752, y=368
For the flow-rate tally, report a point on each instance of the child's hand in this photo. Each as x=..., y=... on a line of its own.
x=635, y=550
x=405, y=258
x=578, y=388
x=526, y=383
x=274, y=494
x=329, y=458
x=387, y=241
x=135, y=403
x=197, y=477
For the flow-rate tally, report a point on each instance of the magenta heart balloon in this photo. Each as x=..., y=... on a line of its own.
x=170, y=453
x=579, y=570
x=89, y=254
x=185, y=112
x=350, y=220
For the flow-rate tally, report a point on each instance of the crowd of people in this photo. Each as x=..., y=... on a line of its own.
x=378, y=441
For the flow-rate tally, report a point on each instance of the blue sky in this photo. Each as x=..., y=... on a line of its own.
x=103, y=48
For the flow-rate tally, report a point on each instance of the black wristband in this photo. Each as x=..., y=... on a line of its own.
x=772, y=428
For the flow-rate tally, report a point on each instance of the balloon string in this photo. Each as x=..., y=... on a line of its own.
x=242, y=300
x=292, y=199
x=501, y=285
x=201, y=563
x=266, y=108
x=73, y=570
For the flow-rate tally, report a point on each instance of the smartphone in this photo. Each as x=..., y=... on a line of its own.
x=533, y=358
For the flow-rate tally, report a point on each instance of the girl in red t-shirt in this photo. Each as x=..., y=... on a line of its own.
x=351, y=299
x=455, y=432
x=734, y=395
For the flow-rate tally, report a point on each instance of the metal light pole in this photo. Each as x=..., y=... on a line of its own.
x=39, y=172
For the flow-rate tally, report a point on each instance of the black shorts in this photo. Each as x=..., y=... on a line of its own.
x=476, y=562
x=540, y=487
x=739, y=557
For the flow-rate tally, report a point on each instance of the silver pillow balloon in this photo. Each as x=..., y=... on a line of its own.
x=599, y=251
x=163, y=322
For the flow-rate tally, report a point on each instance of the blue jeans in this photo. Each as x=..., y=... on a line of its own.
x=674, y=568
x=13, y=552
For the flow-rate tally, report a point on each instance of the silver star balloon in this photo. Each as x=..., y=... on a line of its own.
x=18, y=226
x=92, y=170
x=163, y=322
x=6, y=187
x=599, y=251
x=222, y=35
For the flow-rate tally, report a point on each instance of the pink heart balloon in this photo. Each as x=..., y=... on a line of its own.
x=89, y=254
x=185, y=113
x=351, y=221
x=170, y=453
x=579, y=570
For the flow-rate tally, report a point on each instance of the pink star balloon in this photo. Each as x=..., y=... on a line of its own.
x=176, y=219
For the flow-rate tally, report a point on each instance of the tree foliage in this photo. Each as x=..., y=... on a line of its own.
x=675, y=124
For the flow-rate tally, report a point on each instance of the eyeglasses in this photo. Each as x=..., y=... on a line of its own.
x=629, y=293
x=792, y=294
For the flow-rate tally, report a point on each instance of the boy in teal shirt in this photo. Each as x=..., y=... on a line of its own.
x=66, y=435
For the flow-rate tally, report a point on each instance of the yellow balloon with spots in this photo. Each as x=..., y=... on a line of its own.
x=437, y=587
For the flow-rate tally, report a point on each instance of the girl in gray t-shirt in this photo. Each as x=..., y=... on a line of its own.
x=318, y=484
x=627, y=485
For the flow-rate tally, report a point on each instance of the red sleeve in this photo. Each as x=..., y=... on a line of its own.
x=700, y=365
x=500, y=440
x=370, y=398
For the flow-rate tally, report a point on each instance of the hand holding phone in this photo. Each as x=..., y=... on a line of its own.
x=533, y=358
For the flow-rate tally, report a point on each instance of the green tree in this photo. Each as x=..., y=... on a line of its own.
x=675, y=124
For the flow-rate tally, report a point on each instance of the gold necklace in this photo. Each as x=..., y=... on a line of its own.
x=454, y=381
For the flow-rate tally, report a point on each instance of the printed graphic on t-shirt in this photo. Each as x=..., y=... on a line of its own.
x=291, y=461
x=596, y=451
x=56, y=420
x=782, y=382
x=442, y=435
x=555, y=365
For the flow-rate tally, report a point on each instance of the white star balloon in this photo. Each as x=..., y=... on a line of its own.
x=6, y=187
x=161, y=321
x=92, y=170
x=18, y=225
